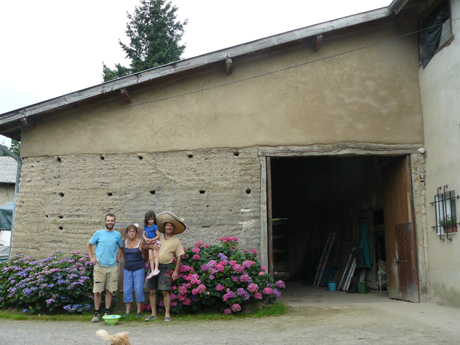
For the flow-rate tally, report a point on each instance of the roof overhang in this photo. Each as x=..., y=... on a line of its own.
x=11, y=122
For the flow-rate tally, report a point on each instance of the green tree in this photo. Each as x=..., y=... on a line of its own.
x=15, y=147
x=154, y=34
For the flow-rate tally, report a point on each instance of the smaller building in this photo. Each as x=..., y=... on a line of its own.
x=8, y=171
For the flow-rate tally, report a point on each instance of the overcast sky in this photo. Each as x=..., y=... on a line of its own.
x=53, y=47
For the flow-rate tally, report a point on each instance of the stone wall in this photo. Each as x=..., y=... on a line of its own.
x=62, y=200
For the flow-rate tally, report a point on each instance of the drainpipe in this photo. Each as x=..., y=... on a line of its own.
x=397, y=5
x=16, y=188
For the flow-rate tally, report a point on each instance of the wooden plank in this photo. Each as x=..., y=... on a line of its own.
x=269, y=216
x=402, y=276
x=338, y=150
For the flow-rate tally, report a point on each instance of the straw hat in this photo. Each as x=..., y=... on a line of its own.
x=169, y=217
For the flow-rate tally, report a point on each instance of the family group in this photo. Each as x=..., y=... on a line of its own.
x=163, y=246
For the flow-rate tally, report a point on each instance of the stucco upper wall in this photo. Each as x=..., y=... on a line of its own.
x=369, y=95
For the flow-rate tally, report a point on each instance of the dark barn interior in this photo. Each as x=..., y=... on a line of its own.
x=316, y=197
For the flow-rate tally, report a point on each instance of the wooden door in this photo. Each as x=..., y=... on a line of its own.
x=269, y=216
x=402, y=273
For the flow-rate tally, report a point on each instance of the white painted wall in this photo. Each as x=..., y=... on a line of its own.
x=440, y=94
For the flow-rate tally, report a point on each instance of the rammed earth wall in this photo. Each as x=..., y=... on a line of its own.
x=62, y=200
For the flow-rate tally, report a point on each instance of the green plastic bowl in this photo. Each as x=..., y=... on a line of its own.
x=111, y=320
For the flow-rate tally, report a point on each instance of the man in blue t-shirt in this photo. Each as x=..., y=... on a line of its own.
x=108, y=251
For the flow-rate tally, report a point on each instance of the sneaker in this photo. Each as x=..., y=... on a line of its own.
x=151, y=275
x=95, y=318
x=107, y=312
x=156, y=272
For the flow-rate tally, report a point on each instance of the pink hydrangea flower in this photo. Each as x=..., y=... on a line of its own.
x=235, y=279
x=220, y=287
x=253, y=251
x=257, y=295
x=268, y=291
x=245, y=278
x=173, y=296
x=221, y=239
x=232, y=262
x=196, y=257
x=186, y=301
x=263, y=268
x=201, y=288
x=253, y=287
x=248, y=263
x=238, y=268
x=212, y=263
x=236, y=307
x=235, y=239
x=173, y=304
x=196, y=250
x=198, y=244
x=280, y=284
x=261, y=273
x=206, y=246
x=227, y=311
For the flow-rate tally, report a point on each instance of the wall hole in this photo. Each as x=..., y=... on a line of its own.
x=207, y=205
x=248, y=191
x=102, y=157
x=202, y=192
x=190, y=155
x=236, y=153
x=59, y=159
x=61, y=194
x=60, y=217
x=46, y=215
x=152, y=192
x=109, y=194
x=61, y=228
x=140, y=157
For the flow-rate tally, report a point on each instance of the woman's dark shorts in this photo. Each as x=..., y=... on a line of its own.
x=162, y=281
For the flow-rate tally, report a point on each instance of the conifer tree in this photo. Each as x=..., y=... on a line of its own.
x=154, y=33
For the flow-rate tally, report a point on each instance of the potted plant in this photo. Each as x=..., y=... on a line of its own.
x=448, y=223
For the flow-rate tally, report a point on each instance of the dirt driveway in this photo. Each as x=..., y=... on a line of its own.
x=316, y=316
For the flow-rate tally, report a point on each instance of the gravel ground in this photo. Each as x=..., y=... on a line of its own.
x=315, y=316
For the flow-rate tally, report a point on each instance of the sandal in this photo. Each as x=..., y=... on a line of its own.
x=138, y=315
x=168, y=319
x=151, y=317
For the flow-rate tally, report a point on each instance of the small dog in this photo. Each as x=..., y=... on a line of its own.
x=116, y=339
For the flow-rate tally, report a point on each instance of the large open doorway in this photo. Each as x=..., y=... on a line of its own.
x=353, y=210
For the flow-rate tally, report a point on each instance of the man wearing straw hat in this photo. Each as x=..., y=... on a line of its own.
x=169, y=225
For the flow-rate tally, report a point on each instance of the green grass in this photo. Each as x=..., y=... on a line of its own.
x=275, y=309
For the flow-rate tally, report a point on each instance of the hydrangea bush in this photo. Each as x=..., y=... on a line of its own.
x=222, y=278
x=55, y=284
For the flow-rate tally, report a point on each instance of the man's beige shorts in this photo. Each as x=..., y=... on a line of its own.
x=105, y=277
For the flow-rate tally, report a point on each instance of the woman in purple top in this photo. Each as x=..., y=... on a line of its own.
x=134, y=271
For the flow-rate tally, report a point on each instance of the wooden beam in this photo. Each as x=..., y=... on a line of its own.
x=125, y=94
x=229, y=66
x=317, y=42
x=28, y=122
